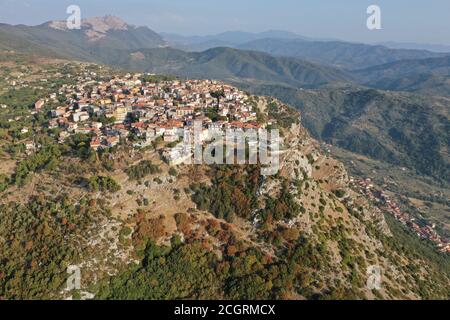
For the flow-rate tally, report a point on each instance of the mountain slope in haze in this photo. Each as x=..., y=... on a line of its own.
x=437, y=66
x=430, y=76
x=265, y=72
x=398, y=128
x=341, y=54
x=42, y=40
x=10, y=40
x=420, y=75
x=234, y=65
x=229, y=39
x=280, y=43
x=425, y=83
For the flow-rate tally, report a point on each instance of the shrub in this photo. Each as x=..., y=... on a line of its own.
x=142, y=169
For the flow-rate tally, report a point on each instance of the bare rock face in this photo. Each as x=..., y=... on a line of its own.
x=95, y=28
x=58, y=25
x=109, y=32
x=95, y=24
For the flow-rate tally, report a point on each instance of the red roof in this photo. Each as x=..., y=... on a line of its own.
x=138, y=124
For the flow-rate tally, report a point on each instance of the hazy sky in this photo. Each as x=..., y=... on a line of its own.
x=425, y=21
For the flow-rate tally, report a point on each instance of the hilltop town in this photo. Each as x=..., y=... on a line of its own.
x=130, y=109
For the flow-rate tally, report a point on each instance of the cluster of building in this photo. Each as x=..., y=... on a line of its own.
x=128, y=109
x=385, y=203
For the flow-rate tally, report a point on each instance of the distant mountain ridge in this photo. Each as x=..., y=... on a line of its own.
x=337, y=53
x=333, y=52
x=417, y=46
x=231, y=38
x=112, y=41
x=436, y=66
x=232, y=65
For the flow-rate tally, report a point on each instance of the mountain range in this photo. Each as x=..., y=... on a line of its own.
x=430, y=75
x=377, y=104
x=142, y=49
x=288, y=59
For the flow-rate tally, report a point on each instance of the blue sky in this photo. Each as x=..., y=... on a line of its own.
x=424, y=21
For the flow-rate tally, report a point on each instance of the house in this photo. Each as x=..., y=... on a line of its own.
x=105, y=101
x=63, y=122
x=215, y=125
x=120, y=114
x=159, y=131
x=184, y=111
x=112, y=141
x=94, y=110
x=84, y=130
x=96, y=143
x=83, y=106
x=224, y=112
x=80, y=116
